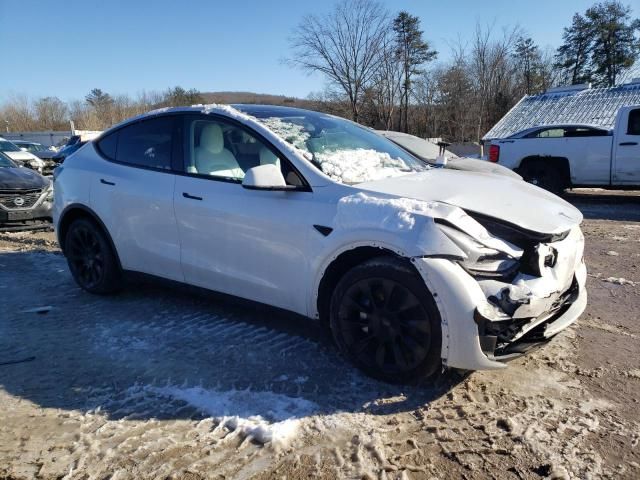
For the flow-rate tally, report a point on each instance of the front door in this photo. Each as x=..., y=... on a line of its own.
x=247, y=243
x=626, y=169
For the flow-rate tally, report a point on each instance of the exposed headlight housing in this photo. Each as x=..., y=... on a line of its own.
x=481, y=261
x=49, y=191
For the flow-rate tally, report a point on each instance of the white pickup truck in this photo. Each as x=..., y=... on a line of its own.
x=556, y=157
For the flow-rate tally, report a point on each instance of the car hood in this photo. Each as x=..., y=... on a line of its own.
x=21, y=155
x=501, y=197
x=474, y=165
x=21, y=179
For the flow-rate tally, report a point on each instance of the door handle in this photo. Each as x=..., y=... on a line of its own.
x=106, y=182
x=627, y=144
x=192, y=197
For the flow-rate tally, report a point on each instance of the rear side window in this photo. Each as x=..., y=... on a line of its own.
x=108, y=145
x=144, y=144
x=634, y=122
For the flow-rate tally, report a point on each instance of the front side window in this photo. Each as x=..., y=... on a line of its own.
x=343, y=150
x=145, y=144
x=634, y=122
x=224, y=150
x=5, y=162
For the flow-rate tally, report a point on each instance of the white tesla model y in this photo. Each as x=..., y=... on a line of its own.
x=414, y=268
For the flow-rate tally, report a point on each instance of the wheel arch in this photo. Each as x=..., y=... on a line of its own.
x=75, y=211
x=340, y=264
x=562, y=163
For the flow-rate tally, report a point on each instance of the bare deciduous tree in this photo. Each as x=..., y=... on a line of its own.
x=344, y=45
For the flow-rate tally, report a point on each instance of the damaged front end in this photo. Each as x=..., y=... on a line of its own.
x=527, y=302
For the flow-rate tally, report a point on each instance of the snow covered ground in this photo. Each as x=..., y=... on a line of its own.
x=165, y=382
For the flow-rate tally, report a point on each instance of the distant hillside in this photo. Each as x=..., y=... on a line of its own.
x=250, y=97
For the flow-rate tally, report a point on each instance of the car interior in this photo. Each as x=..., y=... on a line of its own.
x=222, y=150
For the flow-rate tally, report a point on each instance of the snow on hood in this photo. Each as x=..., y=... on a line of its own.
x=500, y=197
x=360, y=165
x=410, y=217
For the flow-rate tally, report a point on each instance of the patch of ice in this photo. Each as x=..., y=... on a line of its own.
x=361, y=165
x=612, y=253
x=262, y=416
x=363, y=211
x=619, y=281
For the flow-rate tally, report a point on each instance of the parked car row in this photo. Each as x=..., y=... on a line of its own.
x=26, y=197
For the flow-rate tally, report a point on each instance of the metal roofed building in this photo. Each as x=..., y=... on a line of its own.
x=577, y=104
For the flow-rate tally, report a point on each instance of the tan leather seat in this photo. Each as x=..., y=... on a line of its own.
x=212, y=158
x=268, y=157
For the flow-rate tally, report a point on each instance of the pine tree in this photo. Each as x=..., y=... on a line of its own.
x=572, y=57
x=527, y=56
x=615, y=45
x=98, y=99
x=412, y=51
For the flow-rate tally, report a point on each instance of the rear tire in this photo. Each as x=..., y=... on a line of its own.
x=544, y=175
x=386, y=322
x=93, y=263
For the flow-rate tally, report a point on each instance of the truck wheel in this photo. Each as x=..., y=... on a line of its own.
x=544, y=175
x=386, y=322
x=91, y=259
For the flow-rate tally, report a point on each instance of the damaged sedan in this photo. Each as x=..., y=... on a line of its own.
x=26, y=197
x=414, y=268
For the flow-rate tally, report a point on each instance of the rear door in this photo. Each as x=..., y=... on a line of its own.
x=626, y=161
x=133, y=195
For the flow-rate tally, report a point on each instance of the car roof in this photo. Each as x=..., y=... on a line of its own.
x=240, y=111
x=25, y=142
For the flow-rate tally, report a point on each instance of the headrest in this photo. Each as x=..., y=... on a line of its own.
x=268, y=157
x=211, y=138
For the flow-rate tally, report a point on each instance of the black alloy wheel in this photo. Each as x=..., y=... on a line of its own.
x=386, y=321
x=90, y=258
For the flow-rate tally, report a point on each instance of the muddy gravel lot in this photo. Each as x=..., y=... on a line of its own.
x=165, y=382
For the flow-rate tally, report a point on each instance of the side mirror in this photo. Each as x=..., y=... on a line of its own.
x=265, y=177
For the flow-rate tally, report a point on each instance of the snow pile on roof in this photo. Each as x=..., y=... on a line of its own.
x=590, y=106
x=260, y=416
x=360, y=165
x=365, y=211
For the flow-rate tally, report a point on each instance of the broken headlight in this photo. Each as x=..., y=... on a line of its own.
x=49, y=192
x=481, y=261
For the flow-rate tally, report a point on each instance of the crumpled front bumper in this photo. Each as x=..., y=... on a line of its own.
x=478, y=333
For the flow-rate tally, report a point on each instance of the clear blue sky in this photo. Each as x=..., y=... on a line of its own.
x=66, y=48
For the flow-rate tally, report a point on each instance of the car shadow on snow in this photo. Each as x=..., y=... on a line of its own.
x=159, y=350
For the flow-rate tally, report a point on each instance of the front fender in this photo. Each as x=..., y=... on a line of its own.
x=424, y=240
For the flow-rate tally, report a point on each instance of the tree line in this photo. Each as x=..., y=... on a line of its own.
x=97, y=111
x=381, y=71
x=378, y=66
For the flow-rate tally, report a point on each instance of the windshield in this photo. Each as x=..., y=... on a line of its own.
x=5, y=162
x=8, y=147
x=343, y=150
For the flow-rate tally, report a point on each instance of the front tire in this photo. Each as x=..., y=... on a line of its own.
x=91, y=259
x=386, y=322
